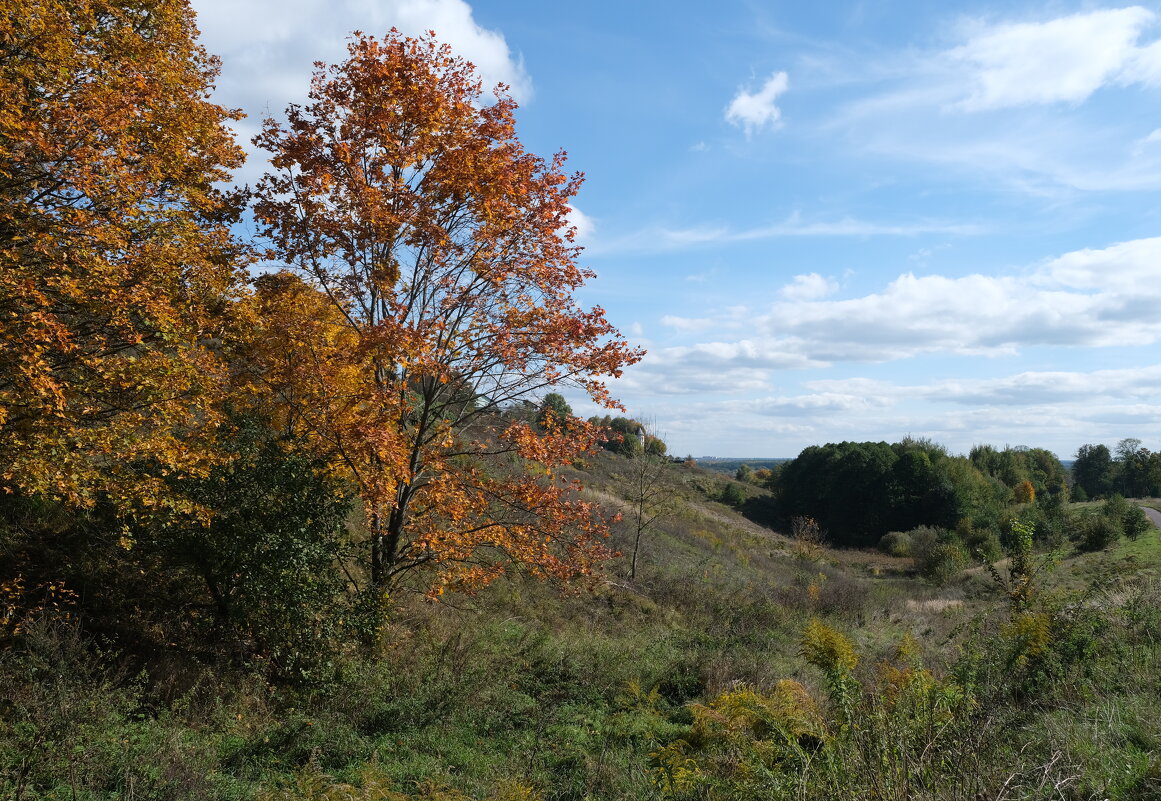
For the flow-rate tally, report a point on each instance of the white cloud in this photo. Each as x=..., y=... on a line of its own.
x=687, y=323
x=268, y=47
x=784, y=425
x=1085, y=299
x=754, y=111
x=1127, y=268
x=1059, y=60
x=585, y=225
x=1043, y=387
x=849, y=226
x=712, y=367
x=1057, y=410
x=809, y=287
x=701, y=278
x=923, y=255
x=1024, y=85
x=1144, y=143
x=1092, y=298
x=813, y=403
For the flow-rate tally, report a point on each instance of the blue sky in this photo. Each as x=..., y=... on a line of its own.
x=830, y=221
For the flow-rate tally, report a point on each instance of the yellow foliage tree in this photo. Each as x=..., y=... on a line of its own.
x=117, y=267
x=1024, y=492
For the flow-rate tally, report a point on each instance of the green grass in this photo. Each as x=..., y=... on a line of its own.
x=1125, y=559
x=573, y=695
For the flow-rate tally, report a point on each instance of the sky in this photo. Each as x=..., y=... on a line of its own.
x=824, y=221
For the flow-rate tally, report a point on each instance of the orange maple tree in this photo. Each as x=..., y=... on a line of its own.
x=117, y=267
x=437, y=261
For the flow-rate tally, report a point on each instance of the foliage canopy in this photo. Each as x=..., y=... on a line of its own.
x=444, y=254
x=117, y=268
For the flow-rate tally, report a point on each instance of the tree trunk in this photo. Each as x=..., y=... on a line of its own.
x=636, y=548
x=377, y=576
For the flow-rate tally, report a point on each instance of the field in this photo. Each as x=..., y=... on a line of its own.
x=738, y=664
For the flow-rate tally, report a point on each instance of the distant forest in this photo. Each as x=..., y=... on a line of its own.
x=867, y=494
x=731, y=466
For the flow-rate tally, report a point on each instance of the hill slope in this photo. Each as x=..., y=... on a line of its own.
x=736, y=664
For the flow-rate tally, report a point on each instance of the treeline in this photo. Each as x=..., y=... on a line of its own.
x=1134, y=471
x=861, y=492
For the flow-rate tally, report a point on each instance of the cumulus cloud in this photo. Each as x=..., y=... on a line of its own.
x=813, y=404
x=584, y=224
x=1050, y=387
x=809, y=287
x=268, y=47
x=1058, y=410
x=1084, y=299
x=1029, y=388
x=757, y=110
x=1124, y=268
x=1087, y=298
x=712, y=367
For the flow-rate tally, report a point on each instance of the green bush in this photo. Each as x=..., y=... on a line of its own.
x=984, y=545
x=1116, y=507
x=981, y=543
x=896, y=543
x=939, y=555
x=733, y=495
x=77, y=725
x=1098, y=532
x=266, y=566
x=943, y=562
x=1135, y=522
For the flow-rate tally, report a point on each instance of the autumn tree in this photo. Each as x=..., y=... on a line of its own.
x=1024, y=492
x=403, y=197
x=116, y=261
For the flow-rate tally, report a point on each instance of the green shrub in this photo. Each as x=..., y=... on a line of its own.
x=983, y=545
x=943, y=562
x=75, y=724
x=939, y=555
x=1098, y=532
x=1135, y=522
x=733, y=495
x=266, y=566
x=896, y=543
x=1115, y=507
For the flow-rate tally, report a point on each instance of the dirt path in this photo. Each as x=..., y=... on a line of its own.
x=1153, y=515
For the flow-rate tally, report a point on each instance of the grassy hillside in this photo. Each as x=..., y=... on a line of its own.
x=737, y=664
